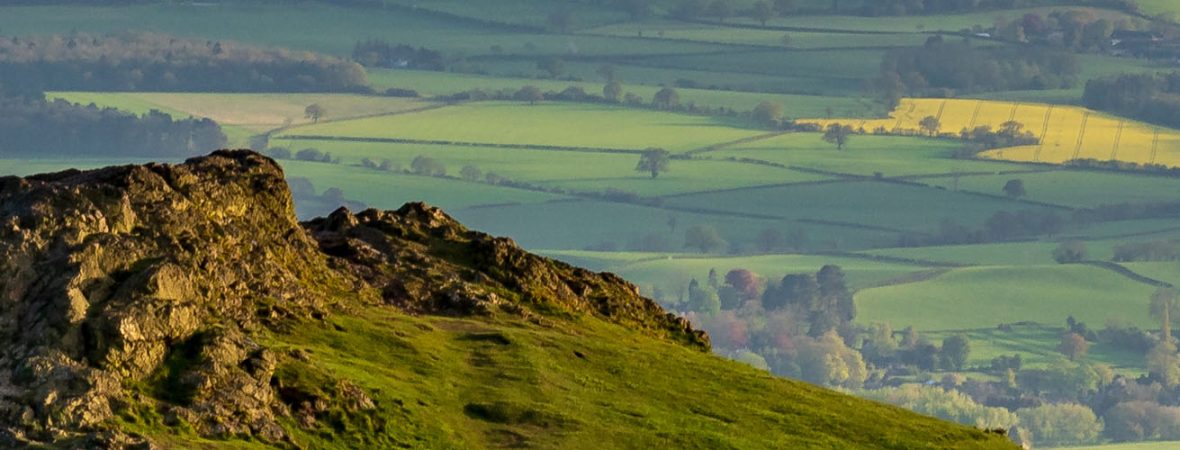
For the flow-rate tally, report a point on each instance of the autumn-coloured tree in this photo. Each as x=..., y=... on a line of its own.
x=1073, y=346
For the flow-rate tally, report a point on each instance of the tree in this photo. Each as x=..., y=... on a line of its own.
x=1070, y=252
x=703, y=300
x=552, y=66
x=1073, y=346
x=1163, y=307
x=314, y=112
x=770, y=239
x=704, y=238
x=471, y=173
x=1060, y=424
x=719, y=9
x=828, y=361
x=838, y=134
x=954, y=353
x=654, y=161
x=531, y=94
x=425, y=165
x=1163, y=362
x=608, y=72
x=666, y=98
x=762, y=12
x=930, y=125
x=612, y=91
x=768, y=113
x=1014, y=188
x=745, y=281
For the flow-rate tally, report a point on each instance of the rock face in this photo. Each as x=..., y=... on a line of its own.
x=115, y=277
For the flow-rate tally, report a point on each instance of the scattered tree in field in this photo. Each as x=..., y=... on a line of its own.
x=786, y=41
x=1070, y=252
x=954, y=353
x=1163, y=307
x=838, y=135
x=314, y=112
x=762, y=12
x=471, y=173
x=531, y=94
x=612, y=91
x=704, y=238
x=672, y=222
x=608, y=72
x=654, y=161
x=719, y=9
x=553, y=66
x=425, y=165
x=768, y=113
x=1073, y=346
x=930, y=125
x=771, y=239
x=1014, y=188
x=666, y=98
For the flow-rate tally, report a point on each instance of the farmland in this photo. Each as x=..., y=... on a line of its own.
x=910, y=219
x=1065, y=132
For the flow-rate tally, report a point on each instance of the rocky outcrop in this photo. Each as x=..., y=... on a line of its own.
x=148, y=283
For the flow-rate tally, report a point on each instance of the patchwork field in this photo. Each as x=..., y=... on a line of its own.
x=982, y=297
x=1066, y=132
x=544, y=124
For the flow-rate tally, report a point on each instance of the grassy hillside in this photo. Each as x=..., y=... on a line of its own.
x=446, y=382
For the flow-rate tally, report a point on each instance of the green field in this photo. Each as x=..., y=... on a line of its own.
x=860, y=202
x=893, y=156
x=547, y=124
x=767, y=38
x=444, y=83
x=674, y=270
x=574, y=171
x=1075, y=189
x=927, y=23
x=981, y=297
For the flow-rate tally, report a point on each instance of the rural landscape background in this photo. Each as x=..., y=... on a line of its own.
x=970, y=209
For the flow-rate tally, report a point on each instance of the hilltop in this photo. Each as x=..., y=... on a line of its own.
x=157, y=305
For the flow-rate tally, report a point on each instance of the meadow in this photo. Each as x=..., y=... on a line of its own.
x=542, y=124
x=861, y=203
x=583, y=171
x=644, y=82
x=982, y=297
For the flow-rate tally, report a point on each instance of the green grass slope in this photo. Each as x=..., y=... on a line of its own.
x=460, y=383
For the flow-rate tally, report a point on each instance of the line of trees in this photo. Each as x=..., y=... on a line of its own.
x=946, y=69
x=159, y=62
x=1151, y=98
x=36, y=128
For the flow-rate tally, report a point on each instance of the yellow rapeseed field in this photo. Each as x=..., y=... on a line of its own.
x=1065, y=132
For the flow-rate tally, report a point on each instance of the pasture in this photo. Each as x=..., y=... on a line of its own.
x=865, y=155
x=576, y=225
x=642, y=81
x=585, y=171
x=1074, y=188
x=860, y=203
x=1066, y=132
x=542, y=124
x=981, y=297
